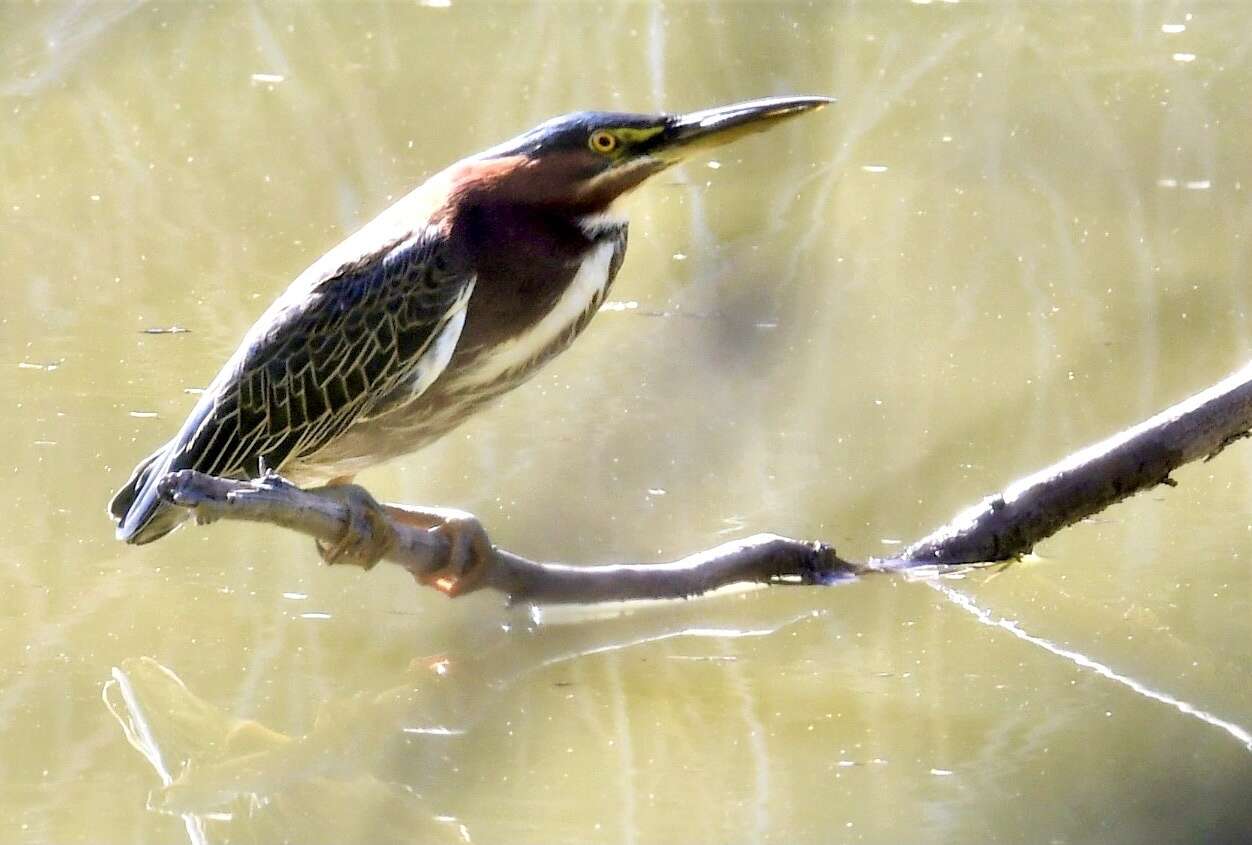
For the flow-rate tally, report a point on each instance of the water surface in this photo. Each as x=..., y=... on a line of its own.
x=1021, y=228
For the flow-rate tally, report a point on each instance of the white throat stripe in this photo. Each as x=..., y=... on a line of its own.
x=588, y=283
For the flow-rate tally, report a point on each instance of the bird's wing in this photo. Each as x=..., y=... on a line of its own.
x=324, y=352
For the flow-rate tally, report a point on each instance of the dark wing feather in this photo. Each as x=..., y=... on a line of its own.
x=312, y=372
x=311, y=366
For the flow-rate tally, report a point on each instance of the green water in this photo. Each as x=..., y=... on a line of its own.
x=1022, y=227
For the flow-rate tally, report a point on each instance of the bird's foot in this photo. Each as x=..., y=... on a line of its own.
x=469, y=549
x=367, y=537
x=269, y=479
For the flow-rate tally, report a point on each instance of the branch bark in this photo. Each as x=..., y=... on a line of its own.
x=1033, y=508
x=1001, y=527
x=762, y=558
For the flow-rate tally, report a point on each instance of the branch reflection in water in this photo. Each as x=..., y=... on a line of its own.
x=229, y=777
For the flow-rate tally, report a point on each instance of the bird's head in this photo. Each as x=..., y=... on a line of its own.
x=586, y=160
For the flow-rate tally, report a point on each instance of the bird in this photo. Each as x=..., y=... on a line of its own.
x=451, y=297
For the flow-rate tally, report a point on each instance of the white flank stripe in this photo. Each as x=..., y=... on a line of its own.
x=588, y=282
x=437, y=356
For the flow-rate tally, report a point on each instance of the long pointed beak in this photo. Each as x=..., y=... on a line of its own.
x=685, y=134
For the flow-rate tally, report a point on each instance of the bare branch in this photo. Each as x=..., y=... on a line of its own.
x=1029, y=510
x=999, y=528
x=763, y=558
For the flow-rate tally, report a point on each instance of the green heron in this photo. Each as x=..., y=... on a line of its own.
x=454, y=295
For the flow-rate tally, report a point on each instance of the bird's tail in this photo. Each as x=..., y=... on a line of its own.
x=140, y=513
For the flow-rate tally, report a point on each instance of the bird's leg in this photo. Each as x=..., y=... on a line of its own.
x=367, y=536
x=469, y=549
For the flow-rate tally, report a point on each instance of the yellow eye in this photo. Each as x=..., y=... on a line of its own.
x=602, y=142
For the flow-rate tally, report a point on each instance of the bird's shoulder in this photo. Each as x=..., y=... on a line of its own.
x=350, y=328
x=413, y=274
x=407, y=242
